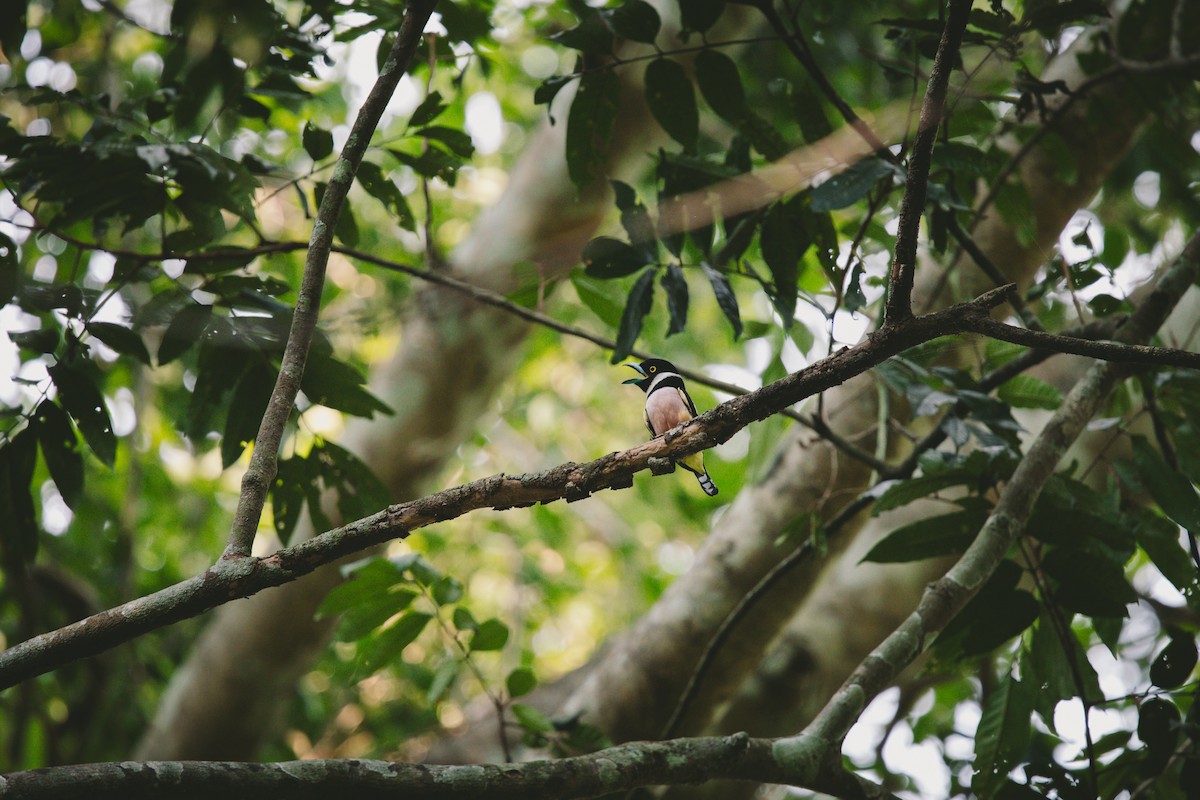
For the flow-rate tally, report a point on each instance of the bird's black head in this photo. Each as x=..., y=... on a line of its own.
x=649, y=369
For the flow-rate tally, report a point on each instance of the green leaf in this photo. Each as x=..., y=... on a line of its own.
x=184, y=331
x=457, y=141
x=676, y=288
x=589, y=125
x=1158, y=727
x=83, y=401
x=338, y=385
x=591, y=35
x=19, y=533
x=1002, y=736
x=447, y=590
x=606, y=257
x=781, y=249
x=246, y=410
x=364, y=617
x=520, y=681
x=531, y=719
x=121, y=339
x=850, y=185
x=39, y=340
x=726, y=299
x=363, y=587
x=904, y=492
x=10, y=273
x=429, y=110
x=387, y=645
x=641, y=298
x=1045, y=667
x=60, y=450
x=943, y=535
x=1173, y=666
x=463, y=619
x=720, y=84
x=635, y=20
x=635, y=219
x=287, y=495
x=1173, y=492
x=700, y=15
x=442, y=679
x=318, y=142
x=1088, y=583
x=492, y=634
x=593, y=295
x=432, y=162
x=1159, y=537
x=1025, y=391
x=370, y=176
x=672, y=101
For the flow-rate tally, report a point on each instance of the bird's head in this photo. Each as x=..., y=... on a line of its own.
x=649, y=369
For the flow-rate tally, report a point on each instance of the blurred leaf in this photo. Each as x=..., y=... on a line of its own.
x=1002, y=736
x=672, y=101
x=700, y=15
x=455, y=140
x=19, y=533
x=429, y=110
x=1159, y=537
x=1158, y=727
x=246, y=409
x=386, y=646
x=1088, y=583
x=850, y=185
x=10, y=272
x=589, y=125
x=593, y=295
x=676, y=288
x=520, y=681
x=635, y=20
x=904, y=492
x=370, y=176
x=1174, y=664
x=447, y=590
x=39, y=340
x=641, y=298
x=726, y=299
x=1173, y=492
x=492, y=634
x=184, y=331
x=1025, y=391
x=591, y=35
x=338, y=385
x=83, y=401
x=782, y=245
x=635, y=219
x=121, y=339
x=442, y=679
x=942, y=535
x=287, y=496
x=318, y=142
x=60, y=450
x=606, y=257
x=531, y=719
x=720, y=84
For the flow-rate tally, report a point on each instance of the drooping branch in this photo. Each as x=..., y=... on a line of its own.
x=904, y=261
x=947, y=596
x=263, y=462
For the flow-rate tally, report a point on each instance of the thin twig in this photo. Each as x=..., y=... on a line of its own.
x=263, y=461
x=904, y=263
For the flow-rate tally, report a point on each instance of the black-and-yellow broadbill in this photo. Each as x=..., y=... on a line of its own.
x=667, y=405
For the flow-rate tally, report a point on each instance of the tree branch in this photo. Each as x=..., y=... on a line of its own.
x=947, y=596
x=616, y=769
x=263, y=461
x=904, y=263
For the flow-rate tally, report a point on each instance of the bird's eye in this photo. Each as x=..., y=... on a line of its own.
x=654, y=369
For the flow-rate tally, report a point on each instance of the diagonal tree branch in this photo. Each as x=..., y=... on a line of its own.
x=263, y=462
x=947, y=596
x=904, y=262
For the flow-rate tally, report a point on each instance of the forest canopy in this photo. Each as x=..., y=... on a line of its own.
x=318, y=469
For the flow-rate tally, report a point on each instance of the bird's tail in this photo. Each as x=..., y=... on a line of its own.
x=706, y=483
x=695, y=465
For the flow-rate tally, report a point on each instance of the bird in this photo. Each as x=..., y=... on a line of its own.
x=668, y=404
